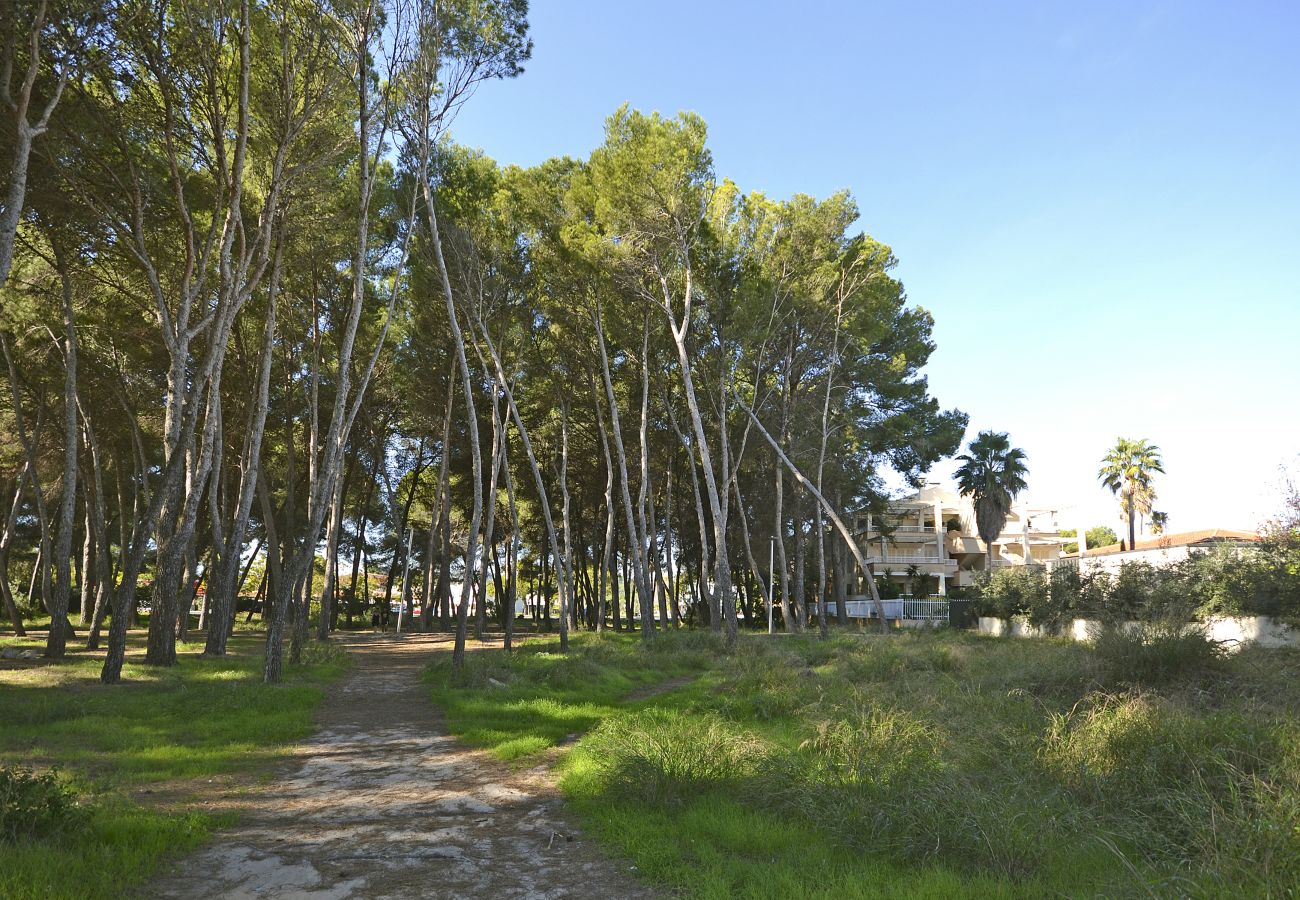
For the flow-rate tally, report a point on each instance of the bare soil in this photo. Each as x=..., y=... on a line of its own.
x=381, y=803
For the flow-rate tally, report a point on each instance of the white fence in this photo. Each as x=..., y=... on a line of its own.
x=930, y=609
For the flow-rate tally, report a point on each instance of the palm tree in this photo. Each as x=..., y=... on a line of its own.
x=992, y=473
x=1127, y=471
x=1159, y=521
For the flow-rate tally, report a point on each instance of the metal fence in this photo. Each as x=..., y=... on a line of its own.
x=927, y=609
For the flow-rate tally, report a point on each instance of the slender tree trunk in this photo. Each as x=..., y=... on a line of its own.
x=524, y=441
x=800, y=565
x=6, y=536
x=866, y=568
x=498, y=455
x=442, y=523
x=722, y=564
x=86, y=580
x=26, y=132
x=332, y=531
x=42, y=569
x=608, y=545
x=566, y=569
x=226, y=558
x=790, y=621
x=636, y=545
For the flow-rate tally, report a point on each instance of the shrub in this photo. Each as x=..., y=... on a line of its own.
x=1263, y=581
x=36, y=806
x=1015, y=591
x=1155, y=652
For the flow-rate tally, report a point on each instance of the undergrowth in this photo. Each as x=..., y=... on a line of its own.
x=930, y=764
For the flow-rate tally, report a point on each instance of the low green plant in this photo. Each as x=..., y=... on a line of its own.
x=37, y=805
x=669, y=756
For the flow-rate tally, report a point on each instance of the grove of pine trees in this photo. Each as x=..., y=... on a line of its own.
x=266, y=325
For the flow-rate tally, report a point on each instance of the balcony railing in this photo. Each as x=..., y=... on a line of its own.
x=903, y=559
x=874, y=528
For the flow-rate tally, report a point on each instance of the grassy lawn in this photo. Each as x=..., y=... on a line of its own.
x=915, y=765
x=161, y=732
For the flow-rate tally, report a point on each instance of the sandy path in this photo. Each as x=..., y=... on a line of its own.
x=381, y=803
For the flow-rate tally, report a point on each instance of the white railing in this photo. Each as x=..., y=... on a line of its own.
x=903, y=559
x=874, y=528
x=933, y=609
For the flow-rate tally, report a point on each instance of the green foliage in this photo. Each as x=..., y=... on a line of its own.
x=1226, y=581
x=666, y=756
x=1154, y=653
x=36, y=805
x=1101, y=536
x=535, y=697
x=1216, y=788
x=1127, y=471
x=1097, y=535
x=992, y=473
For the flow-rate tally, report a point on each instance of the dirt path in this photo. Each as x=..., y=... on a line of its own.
x=381, y=803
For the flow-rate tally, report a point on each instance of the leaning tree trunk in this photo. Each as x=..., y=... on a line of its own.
x=867, y=570
x=538, y=481
x=722, y=563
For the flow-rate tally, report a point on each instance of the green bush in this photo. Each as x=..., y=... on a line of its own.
x=1154, y=653
x=36, y=806
x=1014, y=591
x=881, y=746
x=1263, y=581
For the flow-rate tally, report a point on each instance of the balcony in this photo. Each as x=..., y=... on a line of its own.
x=874, y=528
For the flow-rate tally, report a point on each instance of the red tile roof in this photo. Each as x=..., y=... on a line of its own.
x=1183, y=539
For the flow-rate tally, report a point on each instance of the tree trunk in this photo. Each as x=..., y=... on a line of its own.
x=636, y=545
x=6, y=536
x=498, y=457
x=441, y=525
x=866, y=568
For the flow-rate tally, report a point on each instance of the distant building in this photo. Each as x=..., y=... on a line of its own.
x=1163, y=550
x=928, y=542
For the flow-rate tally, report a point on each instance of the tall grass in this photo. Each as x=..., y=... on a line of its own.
x=938, y=764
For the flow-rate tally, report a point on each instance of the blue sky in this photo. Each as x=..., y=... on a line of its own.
x=1099, y=203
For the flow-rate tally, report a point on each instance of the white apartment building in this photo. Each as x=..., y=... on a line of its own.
x=928, y=542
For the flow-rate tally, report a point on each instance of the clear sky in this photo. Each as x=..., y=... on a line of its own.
x=1099, y=202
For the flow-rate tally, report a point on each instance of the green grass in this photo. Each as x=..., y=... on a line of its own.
x=200, y=719
x=535, y=698
x=914, y=765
